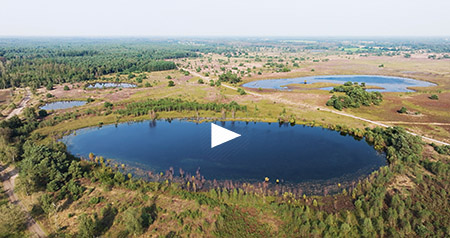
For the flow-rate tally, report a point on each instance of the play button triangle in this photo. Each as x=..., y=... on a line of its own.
x=220, y=135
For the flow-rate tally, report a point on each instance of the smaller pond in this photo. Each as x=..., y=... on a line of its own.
x=62, y=105
x=388, y=83
x=111, y=85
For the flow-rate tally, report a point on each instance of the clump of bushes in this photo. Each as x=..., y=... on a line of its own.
x=241, y=91
x=443, y=149
x=229, y=77
x=355, y=96
x=108, y=105
x=402, y=110
x=12, y=220
x=434, y=97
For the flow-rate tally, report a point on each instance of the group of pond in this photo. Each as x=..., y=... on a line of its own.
x=293, y=154
x=385, y=83
x=290, y=153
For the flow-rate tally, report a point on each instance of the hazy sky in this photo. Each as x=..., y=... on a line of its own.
x=225, y=18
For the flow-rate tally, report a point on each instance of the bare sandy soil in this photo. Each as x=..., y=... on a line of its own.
x=21, y=105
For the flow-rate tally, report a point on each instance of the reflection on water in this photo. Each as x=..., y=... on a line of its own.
x=289, y=153
x=387, y=83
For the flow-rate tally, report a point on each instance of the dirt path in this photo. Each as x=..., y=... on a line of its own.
x=21, y=105
x=8, y=176
x=285, y=101
x=418, y=123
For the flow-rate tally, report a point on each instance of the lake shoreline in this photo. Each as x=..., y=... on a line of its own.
x=360, y=171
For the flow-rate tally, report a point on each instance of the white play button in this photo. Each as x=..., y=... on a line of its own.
x=220, y=135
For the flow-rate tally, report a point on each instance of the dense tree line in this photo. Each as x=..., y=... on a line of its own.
x=159, y=66
x=170, y=104
x=40, y=63
x=355, y=96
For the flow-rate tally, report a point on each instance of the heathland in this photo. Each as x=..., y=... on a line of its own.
x=202, y=80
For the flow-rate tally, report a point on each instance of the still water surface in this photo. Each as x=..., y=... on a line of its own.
x=62, y=105
x=289, y=153
x=388, y=83
x=111, y=85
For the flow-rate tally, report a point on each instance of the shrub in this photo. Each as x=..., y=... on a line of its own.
x=402, y=110
x=86, y=227
x=443, y=149
x=42, y=113
x=434, y=97
x=171, y=83
x=108, y=105
x=229, y=77
x=133, y=221
x=12, y=219
x=66, y=88
x=241, y=91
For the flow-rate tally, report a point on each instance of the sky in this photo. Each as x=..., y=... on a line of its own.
x=224, y=18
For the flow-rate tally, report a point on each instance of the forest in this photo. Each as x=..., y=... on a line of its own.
x=39, y=62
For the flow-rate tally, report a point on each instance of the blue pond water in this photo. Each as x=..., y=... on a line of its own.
x=293, y=154
x=388, y=83
x=62, y=105
x=112, y=85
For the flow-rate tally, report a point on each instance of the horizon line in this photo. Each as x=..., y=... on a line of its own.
x=224, y=36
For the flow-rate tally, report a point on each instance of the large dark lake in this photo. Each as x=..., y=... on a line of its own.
x=388, y=83
x=289, y=153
